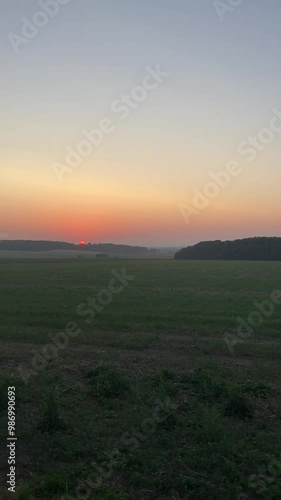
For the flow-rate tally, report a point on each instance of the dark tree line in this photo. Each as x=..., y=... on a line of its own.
x=246, y=249
x=41, y=246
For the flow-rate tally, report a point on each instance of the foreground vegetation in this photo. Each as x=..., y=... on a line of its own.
x=145, y=401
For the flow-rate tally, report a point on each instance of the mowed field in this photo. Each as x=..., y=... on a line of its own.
x=141, y=398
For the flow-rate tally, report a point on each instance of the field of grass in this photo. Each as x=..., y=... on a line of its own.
x=142, y=398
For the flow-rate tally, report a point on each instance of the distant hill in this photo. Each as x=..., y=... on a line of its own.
x=260, y=248
x=43, y=246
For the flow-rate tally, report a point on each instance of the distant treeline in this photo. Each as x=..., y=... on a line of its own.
x=41, y=246
x=245, y=249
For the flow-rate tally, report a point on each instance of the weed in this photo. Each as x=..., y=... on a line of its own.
x=238, y=405
x=52, y=485
x=51, y=420
x=24, y=492
x=106, y=382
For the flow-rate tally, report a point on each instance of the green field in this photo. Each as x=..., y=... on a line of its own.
x=143, y=399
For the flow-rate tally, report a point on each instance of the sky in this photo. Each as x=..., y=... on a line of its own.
x=115, y=115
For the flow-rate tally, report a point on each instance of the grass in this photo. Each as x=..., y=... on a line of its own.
x=146, y=402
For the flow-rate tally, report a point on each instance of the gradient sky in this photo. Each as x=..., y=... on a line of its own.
x=224, y=81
